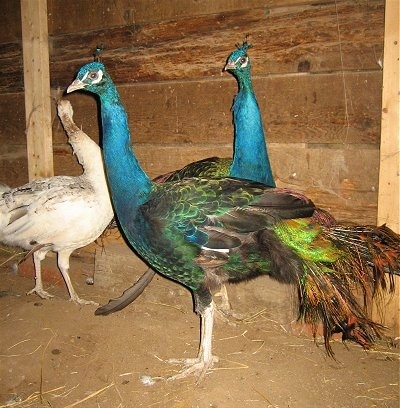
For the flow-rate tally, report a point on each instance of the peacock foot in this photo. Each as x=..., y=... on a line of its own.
x=40, y=292
x=76, y=299
x=228, y=317
x=192, y=366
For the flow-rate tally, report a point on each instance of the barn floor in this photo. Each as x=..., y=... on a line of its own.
x=56, y=354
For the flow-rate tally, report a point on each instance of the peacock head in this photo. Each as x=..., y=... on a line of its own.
x=238, y=60
x=91, y=77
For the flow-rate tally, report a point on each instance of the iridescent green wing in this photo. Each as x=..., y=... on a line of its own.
x=212, y=167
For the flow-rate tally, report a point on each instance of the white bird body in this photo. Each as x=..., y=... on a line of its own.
x=60, y=213
x=4, y=187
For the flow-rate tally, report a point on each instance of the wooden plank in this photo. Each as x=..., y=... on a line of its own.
x=13, y=166
x=37, y=88
x=296, y=109
x=389, y=179
x=389, y=174
x=102, y=14
x=11, y=71
x=289, y=42
x=12, y=120
x=10, y=27
x=13, y=160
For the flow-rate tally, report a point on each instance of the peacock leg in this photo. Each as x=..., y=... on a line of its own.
x=38, y=257
x=205, y=359
x=223, y=308
x=63, y=264
x=224, y=305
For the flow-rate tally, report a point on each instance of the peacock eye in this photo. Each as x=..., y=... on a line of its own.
x=93, y=75
x=243, y=60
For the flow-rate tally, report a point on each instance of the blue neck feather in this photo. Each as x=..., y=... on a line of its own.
x=250, y=159
x=129, y=185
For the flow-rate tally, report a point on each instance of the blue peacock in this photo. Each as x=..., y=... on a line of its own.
x=203, y=232
x=250, y=155
x=250, y=160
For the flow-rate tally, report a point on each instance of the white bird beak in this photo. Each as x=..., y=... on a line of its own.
x=77, y=84
x=229, y=65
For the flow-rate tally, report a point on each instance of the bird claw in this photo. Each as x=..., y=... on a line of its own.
x=193, y=366
x=40, y=292
x=45, y=295
x=80, y=301
x=227, y=316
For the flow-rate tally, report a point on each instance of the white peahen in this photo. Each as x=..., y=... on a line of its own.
x=60, y=213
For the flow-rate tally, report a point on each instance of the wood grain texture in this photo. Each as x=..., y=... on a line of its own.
x=14, y=165
x=101, y=14
x=326, y=108
x=389, y=178
x=337, y=36
x=10, y=27
x=389, y=170
x=37, y=88
x=323, y=38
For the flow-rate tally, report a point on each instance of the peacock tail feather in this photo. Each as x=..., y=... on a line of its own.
x=367, y=259
x=306, y=240
x=327, y=296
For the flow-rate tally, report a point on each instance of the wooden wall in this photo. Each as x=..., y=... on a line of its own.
x=316, y=69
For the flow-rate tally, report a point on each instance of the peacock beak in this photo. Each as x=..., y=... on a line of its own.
x=229, y=65
x=77, y=84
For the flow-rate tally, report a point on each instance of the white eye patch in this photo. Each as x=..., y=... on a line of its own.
x=99, y=77
x=243, y=64
x=95, y=77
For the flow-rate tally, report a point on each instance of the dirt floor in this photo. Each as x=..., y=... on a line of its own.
x=54, y=353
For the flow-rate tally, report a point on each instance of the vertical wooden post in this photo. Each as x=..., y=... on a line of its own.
x=37, y=88
x=389, y=175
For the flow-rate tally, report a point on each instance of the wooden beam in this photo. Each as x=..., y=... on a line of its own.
x=37, y=88
x=389, y=174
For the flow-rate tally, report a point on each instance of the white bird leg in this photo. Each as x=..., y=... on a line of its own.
x=224, y=311
x=205, y=359
x=63, y=264
x=224, y=305
x=38, y=257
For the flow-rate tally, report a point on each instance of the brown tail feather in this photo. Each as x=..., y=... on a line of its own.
x=371, y=257
x=329, y=297
x=376, y=252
